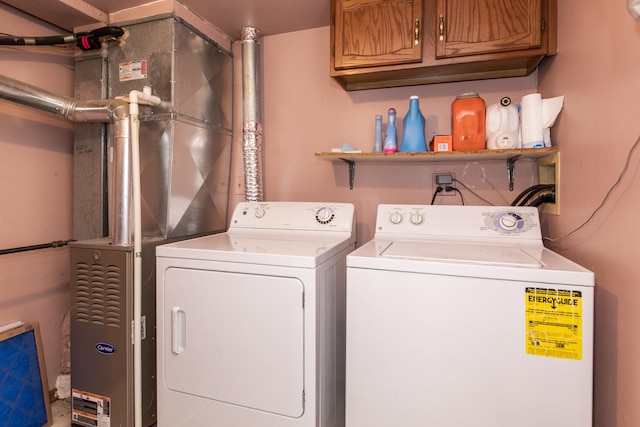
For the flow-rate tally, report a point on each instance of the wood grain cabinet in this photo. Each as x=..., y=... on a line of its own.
x=374, y=33
x=389, y=43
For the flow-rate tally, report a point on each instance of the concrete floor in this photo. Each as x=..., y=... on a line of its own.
x=61, y=413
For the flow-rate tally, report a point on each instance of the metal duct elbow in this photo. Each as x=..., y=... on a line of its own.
x=107, y=110
x=114, y=111
x=71, y=109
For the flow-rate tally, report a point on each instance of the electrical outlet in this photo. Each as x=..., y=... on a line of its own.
x=444, y=180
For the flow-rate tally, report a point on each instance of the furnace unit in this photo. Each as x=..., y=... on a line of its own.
x=185, y=159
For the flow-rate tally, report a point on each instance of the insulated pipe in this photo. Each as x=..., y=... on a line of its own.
x=111, y=111
x=134, y=98
x=252, y=127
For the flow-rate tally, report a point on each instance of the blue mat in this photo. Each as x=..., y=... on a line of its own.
x=22, y=399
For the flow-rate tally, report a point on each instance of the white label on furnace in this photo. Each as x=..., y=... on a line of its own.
x=134, y=70
x=90, y=409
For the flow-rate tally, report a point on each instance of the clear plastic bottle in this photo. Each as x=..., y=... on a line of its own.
x=413, y=129
x=390, y=137
x=377, y=135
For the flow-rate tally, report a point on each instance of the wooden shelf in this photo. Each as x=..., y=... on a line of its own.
x=443, y=156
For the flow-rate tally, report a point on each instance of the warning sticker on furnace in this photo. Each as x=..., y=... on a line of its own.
x=554, y=323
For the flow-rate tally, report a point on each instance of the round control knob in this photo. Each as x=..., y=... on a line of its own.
x=395, y=218
x=508, y=222
x=416, y=218
x=259, y=213
x=324, y=215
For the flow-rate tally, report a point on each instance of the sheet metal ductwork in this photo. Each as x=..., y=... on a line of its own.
x=185, y=161
x=185, y=143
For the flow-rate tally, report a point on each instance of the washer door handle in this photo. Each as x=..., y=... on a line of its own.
x=178, y=330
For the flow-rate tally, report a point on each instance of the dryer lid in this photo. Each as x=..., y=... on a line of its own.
x=284, y=249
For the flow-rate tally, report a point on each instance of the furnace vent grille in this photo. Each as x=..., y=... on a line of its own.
x=98, y=294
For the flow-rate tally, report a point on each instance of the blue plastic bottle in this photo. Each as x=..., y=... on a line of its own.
x=390, y=137
x=377, y=136
x=413, y=135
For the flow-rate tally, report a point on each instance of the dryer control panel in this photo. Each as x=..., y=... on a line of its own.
x=469, y=222
x=305, y=216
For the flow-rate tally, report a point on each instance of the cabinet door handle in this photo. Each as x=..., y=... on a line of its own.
x=416, y=33
x=441, y=27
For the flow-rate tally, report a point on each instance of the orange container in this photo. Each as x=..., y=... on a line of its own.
x=468, y=122
x=441, y=143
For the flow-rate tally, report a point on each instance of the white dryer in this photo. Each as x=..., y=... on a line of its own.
x=251, y=321
x=458, y=316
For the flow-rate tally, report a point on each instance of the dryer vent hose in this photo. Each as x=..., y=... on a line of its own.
x=85, y=40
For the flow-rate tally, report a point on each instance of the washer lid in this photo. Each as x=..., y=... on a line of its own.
x=527, y=263
x=461, y=253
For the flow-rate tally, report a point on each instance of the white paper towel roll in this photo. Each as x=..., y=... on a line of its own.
x=550, y=109
x=532, y=126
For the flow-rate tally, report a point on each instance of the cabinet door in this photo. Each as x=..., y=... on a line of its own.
x=468, y=27
x=377, y=32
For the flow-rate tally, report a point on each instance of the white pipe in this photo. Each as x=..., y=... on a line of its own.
x=134, y=98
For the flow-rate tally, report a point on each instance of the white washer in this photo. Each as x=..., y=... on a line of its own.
x=251, y=321
x=458, y=316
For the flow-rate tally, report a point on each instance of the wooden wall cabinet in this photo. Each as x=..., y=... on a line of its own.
x=390, y=43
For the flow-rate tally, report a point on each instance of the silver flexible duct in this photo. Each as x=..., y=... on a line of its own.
x=110, y=111
x=252, y=126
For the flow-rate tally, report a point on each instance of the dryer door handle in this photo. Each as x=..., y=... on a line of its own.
x=178, y=330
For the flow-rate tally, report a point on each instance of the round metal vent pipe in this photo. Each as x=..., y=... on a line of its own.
x=107, y=111
x=252, y=126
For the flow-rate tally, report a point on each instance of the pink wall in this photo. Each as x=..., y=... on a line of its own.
x=305, y=111
x=36, y=175
x=598, y=71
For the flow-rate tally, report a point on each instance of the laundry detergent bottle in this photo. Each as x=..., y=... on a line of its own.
x=413, y=129
x=503, y=125
x=468, y=122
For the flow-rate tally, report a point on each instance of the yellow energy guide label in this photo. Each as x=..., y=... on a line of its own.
x=554, y=323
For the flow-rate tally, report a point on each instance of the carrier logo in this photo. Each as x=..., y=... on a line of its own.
x=105, y=348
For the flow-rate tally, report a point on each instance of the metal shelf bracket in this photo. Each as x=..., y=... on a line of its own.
x=352, y=171
x=511, y=166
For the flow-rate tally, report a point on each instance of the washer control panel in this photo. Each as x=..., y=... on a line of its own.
x=479, y=222
x=508, y=221
x=294, y=216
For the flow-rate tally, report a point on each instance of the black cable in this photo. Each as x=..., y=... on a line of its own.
x=450, y=188
x=534, y=188
x=543, y=198
x=472, y=192
x=532, y=194
x=85, y=41
x=56, y=244
x=435, y=193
